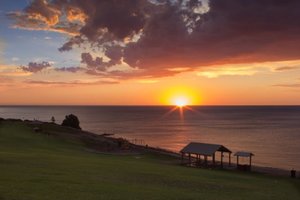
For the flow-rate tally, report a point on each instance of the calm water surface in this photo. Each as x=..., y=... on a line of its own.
x=272, y=133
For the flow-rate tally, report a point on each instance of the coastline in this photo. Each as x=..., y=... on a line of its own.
x=270, y=133
x=121, y=146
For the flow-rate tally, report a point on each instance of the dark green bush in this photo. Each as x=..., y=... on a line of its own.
x=71, y=121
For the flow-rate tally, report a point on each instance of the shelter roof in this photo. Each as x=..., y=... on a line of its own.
x=243, y=154
x=203, y=148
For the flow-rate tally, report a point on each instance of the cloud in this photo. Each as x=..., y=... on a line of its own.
x=154, y=36
x=148, y=81
x=93, y=64
x=6, y=82
x=227, y=71
x=15, y=59
x=233, y=31
x=4, y=79
x=291, y=85
x=12, y=71
x=98, y=64
x=36, y=67
x=69, y=69
x=71, y=83
x=286, y=68
x=45, y=15
x=1, y=51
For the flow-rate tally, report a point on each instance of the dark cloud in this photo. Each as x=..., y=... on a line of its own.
x=93, y=64
x=117, y=19
x=69, y=45
x=158, y=35
x=35, y=67
x=286, y=68
x=114, y=53
x=233, y=31
x=97, y=65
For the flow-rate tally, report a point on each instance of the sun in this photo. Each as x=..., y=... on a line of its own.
x=181, y=101
x=180, y=96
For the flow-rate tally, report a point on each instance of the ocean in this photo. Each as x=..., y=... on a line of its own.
x=272, y=133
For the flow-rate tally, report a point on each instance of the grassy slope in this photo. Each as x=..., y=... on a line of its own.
x=35, y=166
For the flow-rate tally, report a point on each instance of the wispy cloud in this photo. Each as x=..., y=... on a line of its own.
x=289, y=85
x=148, y=81
x=1, y=50
x=4, y=79
x=15, y=59
x=286, y=68
x=13, y=71
x=69, y=69
x=247, y=69
x=70, y=83
x=227, y=71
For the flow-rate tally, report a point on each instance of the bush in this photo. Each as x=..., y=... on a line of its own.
x=71, y=121
x=52, y=119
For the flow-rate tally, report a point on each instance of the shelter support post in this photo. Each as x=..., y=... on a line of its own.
x=229, y=159
x=222, y=159
x=205, y=160
x=250, y=162
x=214, y=159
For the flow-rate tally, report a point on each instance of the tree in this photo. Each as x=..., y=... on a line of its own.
x=52, y=119
x=71, y=121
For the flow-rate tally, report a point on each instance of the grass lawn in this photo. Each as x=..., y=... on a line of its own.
x=35, y=166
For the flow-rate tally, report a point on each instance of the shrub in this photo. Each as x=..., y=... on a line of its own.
x=71, y=121
x=52, y=119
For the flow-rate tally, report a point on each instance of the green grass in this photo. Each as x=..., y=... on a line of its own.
x=39, y=167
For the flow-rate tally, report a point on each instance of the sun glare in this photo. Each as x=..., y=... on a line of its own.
x=181, y=101
x=180, y=96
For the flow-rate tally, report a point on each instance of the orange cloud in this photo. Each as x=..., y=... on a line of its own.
x=75, y=14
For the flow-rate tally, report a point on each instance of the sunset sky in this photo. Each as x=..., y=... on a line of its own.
x=149, y=52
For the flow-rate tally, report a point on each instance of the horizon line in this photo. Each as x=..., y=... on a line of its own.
x=141, y=105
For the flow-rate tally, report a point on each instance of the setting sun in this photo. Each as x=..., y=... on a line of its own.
x=180, y=96
x=181, y=101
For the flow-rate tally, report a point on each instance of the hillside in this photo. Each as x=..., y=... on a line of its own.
x=61, y=163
